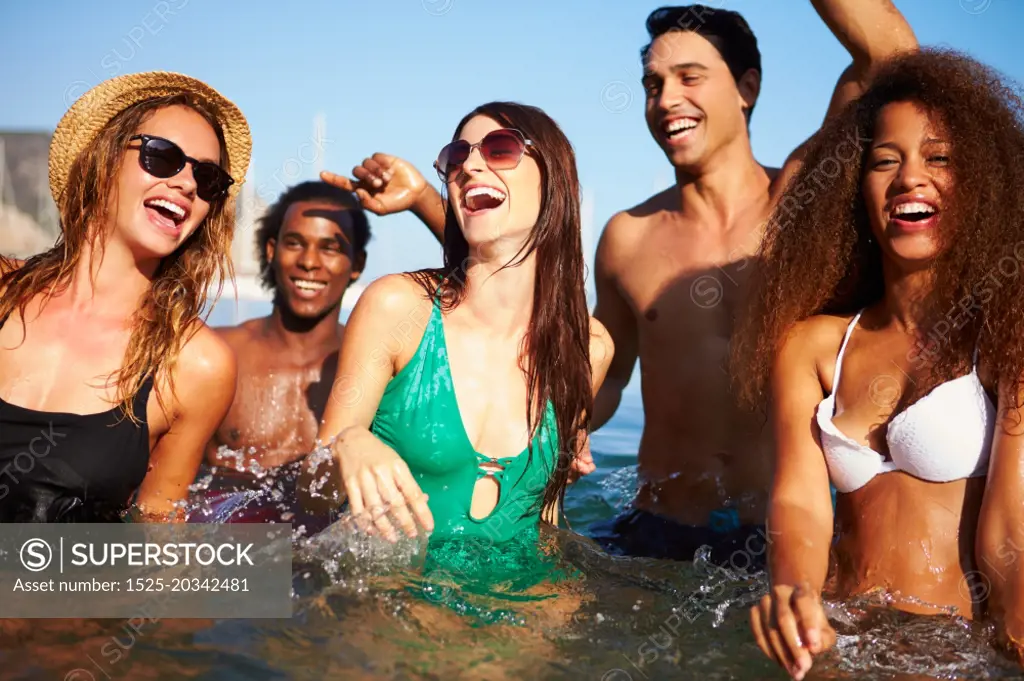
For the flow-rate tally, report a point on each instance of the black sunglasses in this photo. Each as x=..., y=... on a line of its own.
x=163, y=158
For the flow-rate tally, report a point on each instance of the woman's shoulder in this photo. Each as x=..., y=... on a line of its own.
x=815, y=340
x=206, y=359
x=393, y=299
x=201, y=379
x=822, y=329
x=393, y=291
x=395, y=306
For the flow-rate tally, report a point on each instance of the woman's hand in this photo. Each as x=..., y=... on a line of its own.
x=790, y=627
x=378, y=484
x=583, y=463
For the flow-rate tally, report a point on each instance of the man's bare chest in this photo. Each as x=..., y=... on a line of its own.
x=277, y=403
x=677, y=280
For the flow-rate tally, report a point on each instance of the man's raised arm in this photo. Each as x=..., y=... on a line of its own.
x=872, y=31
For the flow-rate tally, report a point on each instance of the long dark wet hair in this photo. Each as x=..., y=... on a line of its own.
x=556, y=351
x=818, y=256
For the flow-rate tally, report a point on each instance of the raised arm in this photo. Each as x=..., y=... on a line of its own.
x=1000, y=538
x=386, y=184
x=799, y=515
x=872, y=31
x=616, y=315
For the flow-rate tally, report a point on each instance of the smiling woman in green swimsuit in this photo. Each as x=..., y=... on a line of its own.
x=462, y=398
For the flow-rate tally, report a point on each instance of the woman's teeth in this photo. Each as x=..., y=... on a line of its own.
x=480, y=198
x=173, y=210
x=913, y=207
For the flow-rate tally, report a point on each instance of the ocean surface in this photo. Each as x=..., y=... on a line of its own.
x=357, y=615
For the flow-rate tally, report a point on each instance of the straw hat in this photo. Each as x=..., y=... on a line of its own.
x=93, y=110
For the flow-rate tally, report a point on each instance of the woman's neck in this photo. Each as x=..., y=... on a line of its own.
x=500, y=299
x=905, y=291
x=109, y=276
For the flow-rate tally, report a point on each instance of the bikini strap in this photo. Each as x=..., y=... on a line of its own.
x=437, y=298
x=842, y=351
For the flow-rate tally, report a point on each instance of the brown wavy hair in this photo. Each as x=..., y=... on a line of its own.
x=170, y=312
x=818, y=256
x=556, y=352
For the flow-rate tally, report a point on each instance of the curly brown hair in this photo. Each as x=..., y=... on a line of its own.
x=818, y=257
x=170, y=312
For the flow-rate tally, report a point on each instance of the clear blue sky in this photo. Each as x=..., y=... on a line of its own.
x=397, y=75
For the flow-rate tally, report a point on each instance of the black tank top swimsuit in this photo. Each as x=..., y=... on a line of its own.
x=57, y=467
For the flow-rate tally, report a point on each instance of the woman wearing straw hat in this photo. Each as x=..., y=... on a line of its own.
x=110, y=383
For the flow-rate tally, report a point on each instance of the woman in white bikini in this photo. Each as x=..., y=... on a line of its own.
x=887, y=339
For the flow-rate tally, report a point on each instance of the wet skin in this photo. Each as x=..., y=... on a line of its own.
x=912, y=538
x=63, y=358
x=670, y=276
x=671, y=272
x=287, y=361
x=899, y=532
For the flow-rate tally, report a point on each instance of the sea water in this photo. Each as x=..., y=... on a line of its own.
x=365, y=610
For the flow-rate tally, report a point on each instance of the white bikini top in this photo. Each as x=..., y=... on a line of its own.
x=944, y=436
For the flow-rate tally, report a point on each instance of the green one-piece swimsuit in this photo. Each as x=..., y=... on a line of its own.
x=419, y=418
x=498, y=554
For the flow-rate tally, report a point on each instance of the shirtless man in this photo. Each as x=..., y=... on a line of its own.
x=312, y=245
x=670, y=276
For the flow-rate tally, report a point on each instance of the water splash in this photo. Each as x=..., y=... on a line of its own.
x=875, y=641
x=239, y=489
x=619, y=487
x=672, y=620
